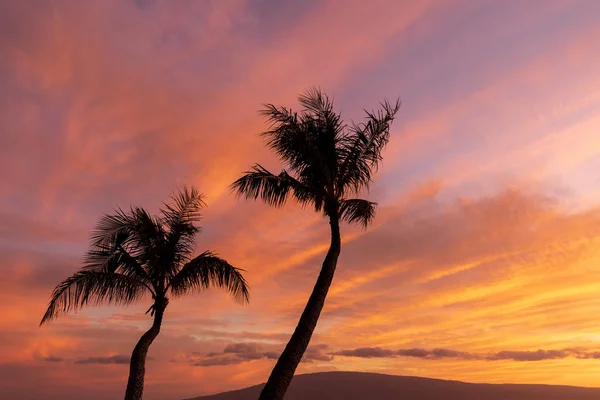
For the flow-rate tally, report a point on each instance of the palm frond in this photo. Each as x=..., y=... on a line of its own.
x=258, y=182
x=119, y=224
x=136, y=228
x=149, y=243
x=315, y=101
x=360, y=149
x=185, y=207
x=357, y=211
x=180, y=219
x=326, y=128
x=149, y=231
x=208, y=270
x=93, y=287
x=306, y=140
x=114, y=258
x=303, y=193
x=289, y=136
x=125, y=242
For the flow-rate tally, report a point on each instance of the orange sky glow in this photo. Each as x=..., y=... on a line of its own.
x=482, y=265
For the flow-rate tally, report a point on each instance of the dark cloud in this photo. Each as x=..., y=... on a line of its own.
x=316, y=353
x=412, y=353
x=244, y=351
x=250, y=356
x=233, y=353
x=378, y=352
x=51, y=358
x=591, y=355
x=239, y=348
x=538, y=355
x=448, y=353
x=438, y=353
x=365, y=352
x=238, y=353
x=213, y=361
x=271, y=355
x=143, y=4
x=117, y=359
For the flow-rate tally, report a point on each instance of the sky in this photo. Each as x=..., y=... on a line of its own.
x=483, y=262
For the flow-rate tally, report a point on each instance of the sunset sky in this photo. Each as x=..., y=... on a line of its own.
x=483, y=263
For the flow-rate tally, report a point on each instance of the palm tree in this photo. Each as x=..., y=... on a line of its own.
x=328, y=162
x=133, y=254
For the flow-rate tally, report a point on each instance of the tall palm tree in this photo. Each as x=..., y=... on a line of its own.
x=133, y=254
x=328, y=162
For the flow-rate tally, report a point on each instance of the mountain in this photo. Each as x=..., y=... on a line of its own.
x=361, y=386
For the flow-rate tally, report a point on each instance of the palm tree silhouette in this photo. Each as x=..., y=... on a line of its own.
x=327, y=162
x=133, y=254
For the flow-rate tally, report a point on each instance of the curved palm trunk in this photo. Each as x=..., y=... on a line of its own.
x=137, y=365
x=282, y=374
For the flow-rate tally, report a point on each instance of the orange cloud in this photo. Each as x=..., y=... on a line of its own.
x=117, y=102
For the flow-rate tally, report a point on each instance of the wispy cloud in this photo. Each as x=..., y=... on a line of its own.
x=116, y=359
x=440, y=353
x=488, y=227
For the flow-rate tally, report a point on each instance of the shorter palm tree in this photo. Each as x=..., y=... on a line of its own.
x=133, y=254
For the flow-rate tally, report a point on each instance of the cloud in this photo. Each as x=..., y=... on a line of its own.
x=595, y=355
x=448, y=353
x=116, y=359
x=214, y=361
x=537, y=355
x=378, y=352
x=540, y=355
x=440, y=232
x=50, y=358
x=458, y=261
x=365, y=352
x=316, y=352
x=420, y=353
x=439, y=353
x=238, y=353
x=436, y=353
x=272, y=355
x=238, y=348
x=501, y=254
x=233, y=353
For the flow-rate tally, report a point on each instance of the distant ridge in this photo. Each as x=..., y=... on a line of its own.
x=366, y=386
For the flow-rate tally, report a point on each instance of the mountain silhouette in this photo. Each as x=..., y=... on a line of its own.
x=361, y=386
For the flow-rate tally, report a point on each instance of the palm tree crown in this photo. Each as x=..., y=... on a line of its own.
x=327, y=160
x=133, y=254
